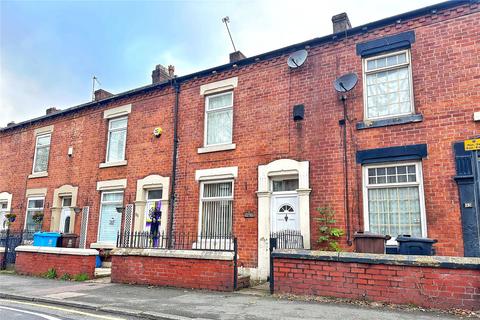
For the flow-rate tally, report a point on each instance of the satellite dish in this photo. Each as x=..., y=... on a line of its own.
x=297, y=58
x=346, y=82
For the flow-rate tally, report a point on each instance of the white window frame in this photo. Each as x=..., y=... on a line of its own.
x=3, y=212
x=147, y=207
x=207, y=103
x=408, y=62
x=101, y=207
x=202, y=185
x=419, y=183
x=107, y=160
x=31, y=209
x=38, y=136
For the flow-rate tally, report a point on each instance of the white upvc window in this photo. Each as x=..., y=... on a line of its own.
x=42, y=150
x=3, y=212
x=216, y=209
x=218, y=119
x=117, y=138
x=35, y=205
x=393, y=199
x=154, y=196
x=387, y=85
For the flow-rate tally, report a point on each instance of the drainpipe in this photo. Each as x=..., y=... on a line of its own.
x=345, y=168
x=176, y=87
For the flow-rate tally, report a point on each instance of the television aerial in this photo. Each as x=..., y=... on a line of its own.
x=297, y=59
x=346, y=82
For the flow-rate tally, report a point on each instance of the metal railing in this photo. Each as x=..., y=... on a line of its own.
x=178, y=241
x=10, y=240
x=288, y=239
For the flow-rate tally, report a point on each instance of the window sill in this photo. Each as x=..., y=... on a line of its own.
x=222, y=147
x=38, y=175
x=113, y=164
x=412, y=118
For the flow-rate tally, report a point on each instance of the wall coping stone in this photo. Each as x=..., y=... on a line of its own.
x=181, y=254
x=2, y=249
x=389, y=259
x=55, y=250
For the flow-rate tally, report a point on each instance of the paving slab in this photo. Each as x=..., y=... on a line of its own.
x=173, y=303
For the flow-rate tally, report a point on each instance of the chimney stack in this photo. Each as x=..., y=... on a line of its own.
x=341, y=22
x=161, y=74
x=101, y=94
x=52, y=110
x=11, y=123
x=236, y=56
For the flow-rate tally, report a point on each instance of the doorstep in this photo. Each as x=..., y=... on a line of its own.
x=102, y=272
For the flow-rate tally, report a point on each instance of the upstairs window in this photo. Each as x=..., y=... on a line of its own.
x=218, y=119
x=42, y=150
x=388, y=85
x=117, y=138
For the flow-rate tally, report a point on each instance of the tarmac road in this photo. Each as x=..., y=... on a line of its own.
x=26, y=310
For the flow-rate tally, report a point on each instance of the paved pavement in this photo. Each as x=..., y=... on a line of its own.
x=180, y=304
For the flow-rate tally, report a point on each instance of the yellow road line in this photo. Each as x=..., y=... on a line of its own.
x=63, y=309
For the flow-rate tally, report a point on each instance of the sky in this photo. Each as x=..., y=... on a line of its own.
x=50, y=50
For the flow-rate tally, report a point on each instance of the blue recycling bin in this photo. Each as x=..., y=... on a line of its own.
x=46, y=239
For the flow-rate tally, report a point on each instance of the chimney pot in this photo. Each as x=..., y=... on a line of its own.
x=161, y=74
x=236, y=56
x=341, y=22
x=52, y=110
x=101, y=94
x=171, y=71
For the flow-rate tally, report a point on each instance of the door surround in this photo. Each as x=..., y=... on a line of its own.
x=280, y=168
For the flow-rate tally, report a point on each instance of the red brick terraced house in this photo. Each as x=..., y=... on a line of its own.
x=232, y=158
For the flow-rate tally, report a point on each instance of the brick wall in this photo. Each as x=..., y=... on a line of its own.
x=427, y=286
x=37, y=264
x=173, y=272
x=445, y=79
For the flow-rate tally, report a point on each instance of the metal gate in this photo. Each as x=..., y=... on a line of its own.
x=11, y=240
x=286, y=239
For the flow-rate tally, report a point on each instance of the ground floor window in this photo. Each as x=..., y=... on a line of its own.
x=34, y=216
x=154, y=197
x=216, y=208
x=394, y=199
x=111, y=208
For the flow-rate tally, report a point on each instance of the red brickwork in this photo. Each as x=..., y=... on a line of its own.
x=445, y=83
x=173, y=272
x=430, y=287
x=34, y=263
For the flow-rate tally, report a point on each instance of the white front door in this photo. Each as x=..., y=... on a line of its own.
x=284, y=212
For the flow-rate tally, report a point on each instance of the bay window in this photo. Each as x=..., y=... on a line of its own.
x=394, y=199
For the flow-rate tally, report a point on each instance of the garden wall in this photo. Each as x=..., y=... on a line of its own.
x=37, y=261
x=174, y=268
x=434, y=282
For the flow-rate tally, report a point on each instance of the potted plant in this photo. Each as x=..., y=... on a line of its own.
x=37, y=217
x=11, y=217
